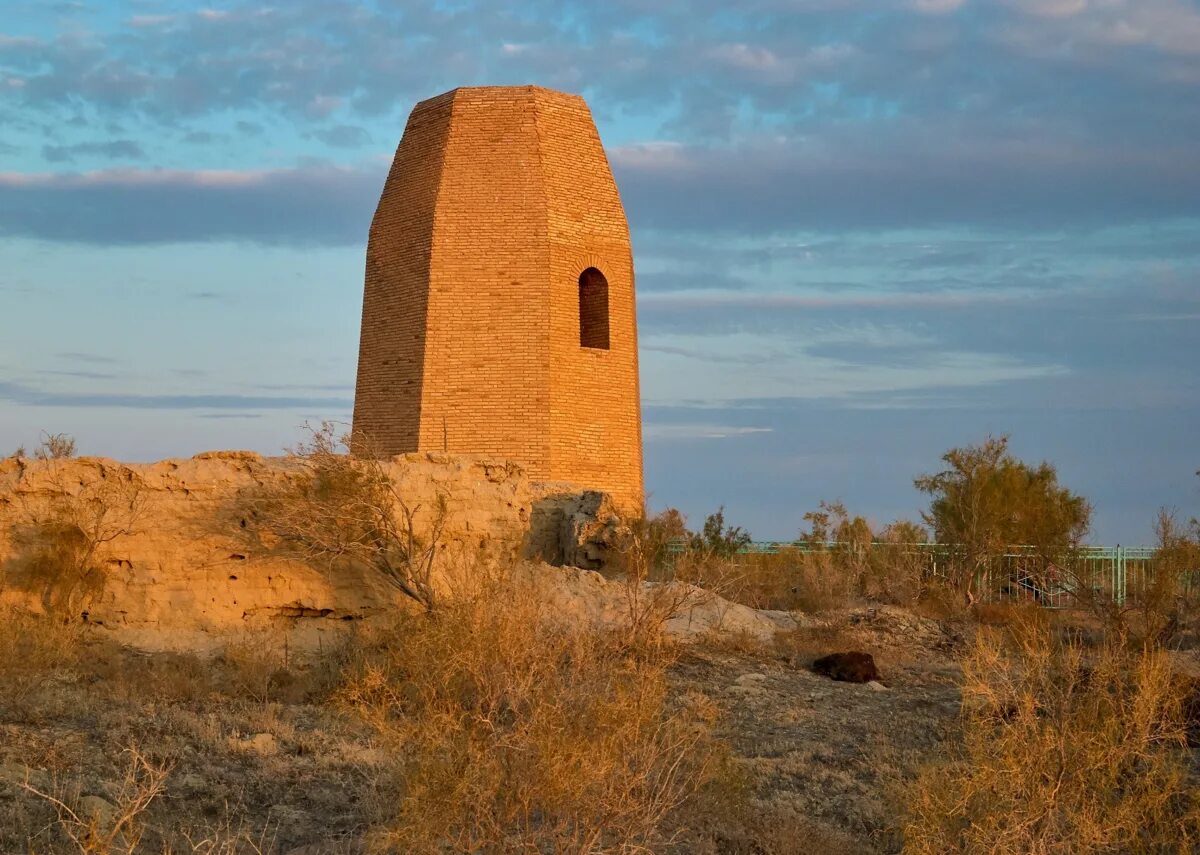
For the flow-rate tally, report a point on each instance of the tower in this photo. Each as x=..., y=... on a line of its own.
x=498, y=308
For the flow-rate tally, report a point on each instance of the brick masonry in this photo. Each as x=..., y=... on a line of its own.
x=498, y=199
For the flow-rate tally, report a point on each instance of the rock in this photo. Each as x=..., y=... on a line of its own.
x=100, y=810
x=263, y=744
x=573, y=529
x=192, y=783
x=18, y=774
x=752, y=678
x=189, y=569
x=577, y=595
x=851, y=667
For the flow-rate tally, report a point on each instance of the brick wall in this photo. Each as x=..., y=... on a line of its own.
x=498, y=199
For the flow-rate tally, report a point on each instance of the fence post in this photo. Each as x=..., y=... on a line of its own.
x=1120, y=594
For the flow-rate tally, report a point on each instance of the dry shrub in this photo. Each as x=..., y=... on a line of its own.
x=226, y=838
x=347, y=510
x=55, y=446
x=100, y=827
x=516, y=731
x=1060, y=754
x=1162, y=606
x=34, y=649
x=788, y=579
x=61, y=542
x=812, y=579
x=655, y=589
x=838, y=561
x=1019, y=613
x=255, y=666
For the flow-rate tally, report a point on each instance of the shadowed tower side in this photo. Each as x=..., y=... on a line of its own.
x=391, y=352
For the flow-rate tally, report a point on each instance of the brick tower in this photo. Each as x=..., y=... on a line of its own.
x=498, y=312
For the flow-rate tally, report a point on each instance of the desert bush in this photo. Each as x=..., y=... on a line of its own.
x=55, y=446
x=515, y=730
x=100, y=827
x=987, y=500
x=854, y=561
x=34, y=650
x=1061, y=754
x=61, y=541
x=839, y=559
x=342, y=509
x=655, y=588
x=1162, y=606
x=1172, y=593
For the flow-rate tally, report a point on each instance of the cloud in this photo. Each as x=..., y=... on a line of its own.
x=725, y=300
x=912, y=178
x=318, y=204
x=937, y=7
x=658, y=431
x=18, y=393
x=111, y=150
x=718, y=369
x=82, y=375
x=74, y=356
x=343, y=136
x=773, y=116
x=754, y=188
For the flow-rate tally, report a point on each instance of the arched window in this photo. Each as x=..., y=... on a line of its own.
x=593, y=309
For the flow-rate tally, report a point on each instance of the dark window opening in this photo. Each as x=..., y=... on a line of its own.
x=593, y=309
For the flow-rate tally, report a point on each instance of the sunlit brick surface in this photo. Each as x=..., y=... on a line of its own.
x=498, y=199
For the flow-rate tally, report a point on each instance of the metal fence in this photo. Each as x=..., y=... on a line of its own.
x=1117, y=574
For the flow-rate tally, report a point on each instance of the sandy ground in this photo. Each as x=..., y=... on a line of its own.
x=256, y=765
x=823, y=758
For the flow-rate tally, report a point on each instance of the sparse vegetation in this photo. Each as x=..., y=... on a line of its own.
x=1064, y=750
x=342, y=509
x=987, y=500
x=718, y=539
x=95, y=826
x=62, y=542
x=837, y=561
x=487, y=721
x=53, y=446
x=512, y=731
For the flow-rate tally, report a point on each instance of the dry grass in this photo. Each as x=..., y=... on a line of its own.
x=60, y=543
x=513, y=732
x=1163, y=607
x=813, y=580
x=346, y=510
x=34, y=650
x=95, y=826
x=1062, y=753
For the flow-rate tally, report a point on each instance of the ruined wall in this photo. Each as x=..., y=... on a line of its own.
x=498, y=199
x=180, y=566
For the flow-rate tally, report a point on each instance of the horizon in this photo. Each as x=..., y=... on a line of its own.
x=863, y=234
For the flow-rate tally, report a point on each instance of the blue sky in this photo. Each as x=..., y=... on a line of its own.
x=865, y=232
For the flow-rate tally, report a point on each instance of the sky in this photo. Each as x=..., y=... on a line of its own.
x=864, y=232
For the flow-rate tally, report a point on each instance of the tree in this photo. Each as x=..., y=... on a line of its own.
x=987, y=500
x=719, y=540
